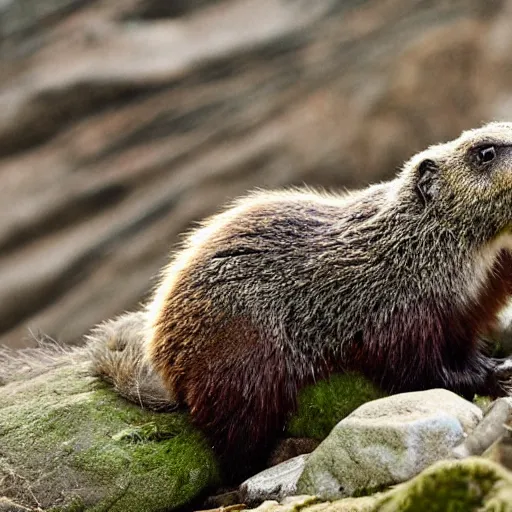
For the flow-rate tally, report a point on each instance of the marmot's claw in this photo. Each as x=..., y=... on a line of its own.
x=503, y=369
x=501, y=378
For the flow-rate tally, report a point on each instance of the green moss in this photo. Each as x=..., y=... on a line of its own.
x=153, y=477
x=144, y=433
x=473, y=484
x=482, y=401
x=78, y=446
x=164, y=460
x=324, y=404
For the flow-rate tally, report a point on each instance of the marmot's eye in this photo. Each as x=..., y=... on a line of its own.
x=486, y=154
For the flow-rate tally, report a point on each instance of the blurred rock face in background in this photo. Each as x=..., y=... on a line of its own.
x=122, y=123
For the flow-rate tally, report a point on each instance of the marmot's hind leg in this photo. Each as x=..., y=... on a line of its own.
x=241, y=400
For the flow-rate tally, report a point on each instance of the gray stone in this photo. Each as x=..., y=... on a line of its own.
x=488, y=431
x=292, y=504
x=388, y=441
x=274, y=483
x=472, y=484
x=501, y=451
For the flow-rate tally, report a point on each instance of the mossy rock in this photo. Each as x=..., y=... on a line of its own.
x=470, y=485
x=473, y=484
x=69, y=443
x=323, y=405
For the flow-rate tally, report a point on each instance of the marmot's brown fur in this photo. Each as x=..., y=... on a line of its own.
x=398, y=281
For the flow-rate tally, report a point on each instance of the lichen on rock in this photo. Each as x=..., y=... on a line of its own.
x=473, y=484
x=70, y=443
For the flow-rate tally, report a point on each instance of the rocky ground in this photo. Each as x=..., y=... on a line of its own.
x=122, y=123
x=69, y=443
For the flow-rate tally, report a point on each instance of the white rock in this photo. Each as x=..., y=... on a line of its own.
x=274, y=483
x=387, y=441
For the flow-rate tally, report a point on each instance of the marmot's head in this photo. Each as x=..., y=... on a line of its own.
x=467, y=180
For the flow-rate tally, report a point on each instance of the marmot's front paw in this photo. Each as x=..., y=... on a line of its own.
x=501, y=377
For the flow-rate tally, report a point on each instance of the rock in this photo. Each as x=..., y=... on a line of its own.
x=292, y=504
x=501, y=451
x=387, y=441
x=9, y=506
x=320, y=407
x=122, y=123
x=499, y=431
x=312, y=504
x=229, y=500
x=323, y=404
x=274, y=483
x=470, y=485
x=473, y=484
x=68, y=441
x=489, y=430
x=229, y=508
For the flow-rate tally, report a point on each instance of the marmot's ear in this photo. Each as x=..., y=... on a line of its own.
x=427, y=184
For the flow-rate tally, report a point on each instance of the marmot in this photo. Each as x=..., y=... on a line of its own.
x=398, y=281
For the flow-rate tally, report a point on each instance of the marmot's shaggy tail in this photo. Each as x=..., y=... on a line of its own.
x=30, y=362
x=116, y=351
